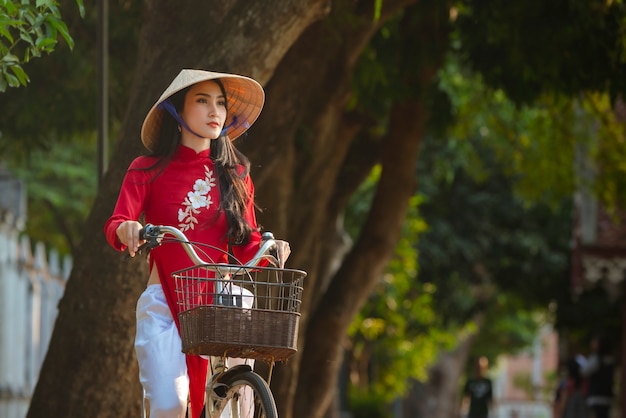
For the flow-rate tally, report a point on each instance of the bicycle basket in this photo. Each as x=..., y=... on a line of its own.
x=250, y=315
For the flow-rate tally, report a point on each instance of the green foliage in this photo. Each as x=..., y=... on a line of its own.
x=360, y=203
x=365, y=404
x=552, y=148
x=393, y=65
x=536, y=144
x=397, y=334
x=523, y=381
x=27, y=31
x=528, y=48
x=541, y=154
x=61, y=183
x=497, y=241
x=60, y=101
x=512, y=327
x=606, y=154
x=496, y=198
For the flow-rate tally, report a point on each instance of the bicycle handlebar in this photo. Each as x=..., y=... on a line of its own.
x=151, y=233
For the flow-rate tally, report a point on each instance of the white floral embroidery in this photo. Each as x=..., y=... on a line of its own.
x=196, y=199
x=201, y=187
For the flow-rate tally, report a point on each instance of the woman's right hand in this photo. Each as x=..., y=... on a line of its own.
x=128, y=234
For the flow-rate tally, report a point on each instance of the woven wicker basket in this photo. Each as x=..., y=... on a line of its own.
x=264, y=327
x=237, y=332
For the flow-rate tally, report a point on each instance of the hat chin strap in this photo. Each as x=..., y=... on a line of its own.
x=167, y=105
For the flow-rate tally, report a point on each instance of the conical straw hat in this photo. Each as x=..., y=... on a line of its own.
x=245, y=101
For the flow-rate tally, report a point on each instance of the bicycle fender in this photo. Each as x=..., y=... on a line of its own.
x=240, y=368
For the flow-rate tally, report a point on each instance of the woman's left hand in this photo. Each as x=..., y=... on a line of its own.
x=283, y=250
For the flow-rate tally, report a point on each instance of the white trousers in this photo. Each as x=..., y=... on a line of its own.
x=162, y=364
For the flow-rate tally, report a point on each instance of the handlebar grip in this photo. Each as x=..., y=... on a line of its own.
x=272, y=250
x=149, y=233
x=148, y=230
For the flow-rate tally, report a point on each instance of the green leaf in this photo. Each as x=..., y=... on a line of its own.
x=54, y=10
x=10, y=8
x=7, y=21
x=26, y=38
x=81, y=8
x=62, y=29
x=35, y=52
x=5, y=33
x=45, y=43
x=40, y=19
x=29, y=16
x=20, y=74
x=12, y=80
x=10, y=58
x=41, y=3
x=377, y=8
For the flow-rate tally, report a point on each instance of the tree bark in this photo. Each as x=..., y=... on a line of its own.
x=349, y=288
x=355, y=278
x=442, y=387
x=304, y=169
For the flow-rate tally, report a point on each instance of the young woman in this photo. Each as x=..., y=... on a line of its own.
x=195, y=179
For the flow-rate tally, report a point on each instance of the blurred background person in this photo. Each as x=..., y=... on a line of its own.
x=599, y=370
x=478, y=391
x=570, y=397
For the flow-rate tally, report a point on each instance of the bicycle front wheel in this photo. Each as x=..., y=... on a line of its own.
x=246, y=395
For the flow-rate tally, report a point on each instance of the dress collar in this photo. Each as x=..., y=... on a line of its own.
x=185, y=153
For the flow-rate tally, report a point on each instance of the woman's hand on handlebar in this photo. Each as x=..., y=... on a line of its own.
x=128, y=234
x=283, y=250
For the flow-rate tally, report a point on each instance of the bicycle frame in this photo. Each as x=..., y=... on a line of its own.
x=224, y=384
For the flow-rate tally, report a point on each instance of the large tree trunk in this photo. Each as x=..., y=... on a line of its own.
x=335, y=306
x=438, y=397
x=90, y=369
x=304, y=176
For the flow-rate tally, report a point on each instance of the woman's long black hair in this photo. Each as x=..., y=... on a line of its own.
x=231, y=168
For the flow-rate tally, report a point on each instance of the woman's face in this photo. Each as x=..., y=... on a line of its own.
x=204, y=111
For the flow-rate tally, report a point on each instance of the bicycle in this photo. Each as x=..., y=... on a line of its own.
x=234, y=311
